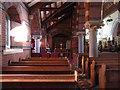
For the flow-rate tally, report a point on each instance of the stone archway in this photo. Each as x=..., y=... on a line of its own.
x=13, y=14
x=119, y=6
x=59, y=36
x=59, y=39
x=118, y=33
x=16, y=8
x=15, y=24
x=115, y=28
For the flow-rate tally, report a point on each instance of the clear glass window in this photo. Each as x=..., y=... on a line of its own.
x=7, y=28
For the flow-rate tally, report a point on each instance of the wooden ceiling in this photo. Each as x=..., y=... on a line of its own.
x=57, y=13
x=64, y=11
x=109, y=8
x=33, y=5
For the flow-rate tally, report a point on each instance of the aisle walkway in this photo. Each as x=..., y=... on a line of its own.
x=83, y=82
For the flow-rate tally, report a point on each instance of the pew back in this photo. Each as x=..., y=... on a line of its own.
x=36, y=69
x=37, y=58
x=39, y=63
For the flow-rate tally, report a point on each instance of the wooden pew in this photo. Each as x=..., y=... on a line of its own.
x=83, y=66
x=46, y=66
x=39, y=81
x=38, y=77
x=39, y=74
x=87, y=68
x=37, y=58
x=36, y=69
x=109, y=77
x=39, y=63
x=92, y=71
x=109, y=55
x=44, y=59
x=104, y=59
x=92, y=74
x=107, y=61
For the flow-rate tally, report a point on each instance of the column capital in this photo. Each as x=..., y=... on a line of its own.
x=82, y=32
x=93, y=24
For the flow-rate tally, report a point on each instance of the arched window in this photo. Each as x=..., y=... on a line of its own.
x=7, y=30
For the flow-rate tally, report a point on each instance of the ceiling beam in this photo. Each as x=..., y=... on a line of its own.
x=48, y=9
x=109, y=8
x=118, y=6
x=61, y=9
x=59, y=20
x=38, y=5
x=33, y=2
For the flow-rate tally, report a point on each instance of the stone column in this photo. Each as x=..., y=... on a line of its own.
x=119, y=17
x=93, y=26
x=81, y=35
x=93, y=47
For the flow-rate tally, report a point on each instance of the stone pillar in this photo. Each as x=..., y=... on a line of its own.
x=93, y=47
x=80, y=44
x=81, y=35
x=119, y=17
x=93, y=26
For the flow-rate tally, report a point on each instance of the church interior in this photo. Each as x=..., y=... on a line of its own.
x=60, y=45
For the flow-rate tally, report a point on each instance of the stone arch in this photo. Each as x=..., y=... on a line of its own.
x=14, y=11
x=64, y=32
x=118, y=33
x=13, y=14
x=116, y=26
x=58, y=37
x=119, y=6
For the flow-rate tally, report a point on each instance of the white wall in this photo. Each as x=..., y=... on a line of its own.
x=110, y=28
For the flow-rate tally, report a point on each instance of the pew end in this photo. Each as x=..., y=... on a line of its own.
x=9, y=62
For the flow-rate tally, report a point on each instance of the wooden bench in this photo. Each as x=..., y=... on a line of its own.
x=107, y=61
x=41, y=60
x=36, y=69
x=39, y=81
x=37, y=58
x=39, y=63
x=104, y=59
x=45, y=77
x=109, y=55
x=109, y=77
x=98, y=58
x=39, y=74
x=38, y=77
x=91, y=70
x=95, y=75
